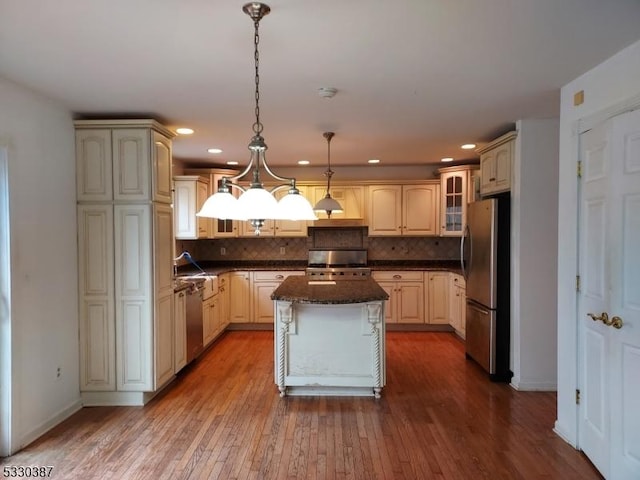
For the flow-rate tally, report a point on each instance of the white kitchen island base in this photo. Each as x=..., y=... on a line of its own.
x=330, y=349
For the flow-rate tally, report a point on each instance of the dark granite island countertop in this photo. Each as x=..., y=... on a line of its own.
x=301, y=289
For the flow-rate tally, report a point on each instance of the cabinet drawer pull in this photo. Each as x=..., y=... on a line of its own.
x=397, y=277
x=492, y=179
x=279, y=277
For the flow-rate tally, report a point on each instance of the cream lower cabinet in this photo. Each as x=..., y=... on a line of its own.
x=211, y=321
x=406, y=295
x=403, y=209
x=126, y=311
x=223, y=294
x=180, y=331
x=457, y=303
x=438, y=291
x=239, y=297
x=263, y=285
x=97, y=298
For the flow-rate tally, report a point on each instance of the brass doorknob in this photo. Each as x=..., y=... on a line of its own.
x=616, y=322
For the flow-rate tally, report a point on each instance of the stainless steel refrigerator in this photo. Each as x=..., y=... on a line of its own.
x=485, y=256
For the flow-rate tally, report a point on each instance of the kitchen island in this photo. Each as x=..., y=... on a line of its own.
x=330, y=337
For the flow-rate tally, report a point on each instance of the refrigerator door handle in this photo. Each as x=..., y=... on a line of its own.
x=463, y=241
x=473, y=305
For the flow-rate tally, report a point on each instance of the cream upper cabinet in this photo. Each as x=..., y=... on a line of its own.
x=94, y=165
x=403, y=209
x=420, y=209
x=350, y=198
x=291, y=228
x=496, y=159
x=217, y=228
x=128, y=160
x=385, y=210
x=456, y=191
x=190, y=193
x=161, y=167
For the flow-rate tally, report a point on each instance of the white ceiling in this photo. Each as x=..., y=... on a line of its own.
x=415, y=78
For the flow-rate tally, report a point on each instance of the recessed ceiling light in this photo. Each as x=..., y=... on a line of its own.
x=184, y=131
x=214, y=150
x=232, y=162
x=447, y=159
x=468, y=146
x=373, y=160
x=303, y=162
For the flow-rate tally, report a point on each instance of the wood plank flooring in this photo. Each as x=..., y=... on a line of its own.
x=439, y=418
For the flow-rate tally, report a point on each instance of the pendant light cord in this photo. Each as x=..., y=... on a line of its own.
x=257, y=126
x=329, y=172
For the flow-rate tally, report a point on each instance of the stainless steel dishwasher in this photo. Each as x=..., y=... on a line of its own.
x=194, y=320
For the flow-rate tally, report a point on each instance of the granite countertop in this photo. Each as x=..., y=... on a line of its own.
x=216, y=268
x=300, y=289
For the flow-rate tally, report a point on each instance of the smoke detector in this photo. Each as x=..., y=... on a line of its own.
x=327, y=92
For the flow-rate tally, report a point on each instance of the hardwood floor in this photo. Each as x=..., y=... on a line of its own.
x=439, y=418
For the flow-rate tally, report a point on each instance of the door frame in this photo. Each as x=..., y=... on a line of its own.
x=6, y=391
x=581, y=126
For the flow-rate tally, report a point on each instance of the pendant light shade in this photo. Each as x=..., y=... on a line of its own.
x=293, y=206
x=256, y=204
x=220, y=205
x=328, y=204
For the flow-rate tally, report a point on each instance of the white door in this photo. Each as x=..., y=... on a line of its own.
x=609, y=417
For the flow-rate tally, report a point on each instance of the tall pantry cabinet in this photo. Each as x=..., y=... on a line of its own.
x=125, y=238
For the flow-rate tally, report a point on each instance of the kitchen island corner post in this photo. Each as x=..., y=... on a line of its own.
x=375, y=311
x=284, y=317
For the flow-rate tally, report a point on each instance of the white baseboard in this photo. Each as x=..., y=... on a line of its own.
x=558, y=430
x=47, y=425
x=534, y=386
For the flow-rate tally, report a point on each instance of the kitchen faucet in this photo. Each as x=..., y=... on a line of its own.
x=187, y=256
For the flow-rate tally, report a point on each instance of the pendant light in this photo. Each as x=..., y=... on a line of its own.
x=328, y=204
x=256, y=204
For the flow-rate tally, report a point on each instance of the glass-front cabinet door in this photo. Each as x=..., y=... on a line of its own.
x=454, y=186
x=455, y=195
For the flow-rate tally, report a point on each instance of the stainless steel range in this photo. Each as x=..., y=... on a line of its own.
x=338, y=264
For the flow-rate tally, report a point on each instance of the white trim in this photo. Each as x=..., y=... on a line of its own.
x=590, y=121
x=579, y=126
x=557, y=429
x=535, y=387
x=51, y=422
x=6, y=391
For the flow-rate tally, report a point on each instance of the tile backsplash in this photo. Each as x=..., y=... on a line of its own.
x=279, y=248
